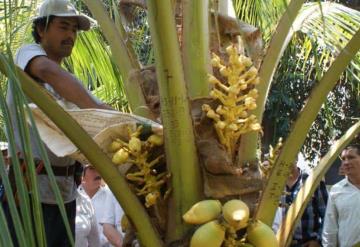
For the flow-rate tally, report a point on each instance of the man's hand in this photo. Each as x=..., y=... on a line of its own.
x=112, y=235
x=312, y=243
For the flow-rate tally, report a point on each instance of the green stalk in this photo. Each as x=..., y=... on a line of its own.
x=123, y=56
x=294, y=213
x=21, y=188
x=129, y=202
x=274, y=187
x=278, y=43
x=180, y=146
x=5, y=239
x=19, y=229
x=195, y=47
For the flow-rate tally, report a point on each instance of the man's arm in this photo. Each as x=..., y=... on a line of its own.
x=63, y=82
x=108, y=221
x=112, y=234
x=331, y=227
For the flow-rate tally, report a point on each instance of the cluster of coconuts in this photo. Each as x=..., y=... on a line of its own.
x=215, y=219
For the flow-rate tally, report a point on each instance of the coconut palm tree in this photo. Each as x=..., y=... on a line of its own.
x=183, y=33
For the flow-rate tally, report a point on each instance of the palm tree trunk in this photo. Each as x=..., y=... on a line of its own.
x=181, y=155
x=195, y=47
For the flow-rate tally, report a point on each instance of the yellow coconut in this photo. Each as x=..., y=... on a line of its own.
x=202, y=212
x=260, y=235
x=211, y=234
x=236, y=213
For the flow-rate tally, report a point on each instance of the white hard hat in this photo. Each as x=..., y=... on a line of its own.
x=63, y=8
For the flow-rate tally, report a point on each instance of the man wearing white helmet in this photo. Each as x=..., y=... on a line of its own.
x=54, y=29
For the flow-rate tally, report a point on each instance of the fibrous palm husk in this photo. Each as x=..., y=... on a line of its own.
x=146, y=77
x=222, y=178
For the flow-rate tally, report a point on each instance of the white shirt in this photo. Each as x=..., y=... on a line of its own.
x=342, y=218
x=112, y=213
x=99, y=201
x=277, y=220
x=86, y=229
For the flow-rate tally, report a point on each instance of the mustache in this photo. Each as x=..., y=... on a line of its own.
x=67, y=42
x=97, y=178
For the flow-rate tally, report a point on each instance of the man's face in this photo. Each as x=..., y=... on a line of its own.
x=59, y=37
x=350, y=162
x=91, y=179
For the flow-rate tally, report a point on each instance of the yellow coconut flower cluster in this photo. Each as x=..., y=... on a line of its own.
x=220, y=223
x=137, y=152
x=237, y=98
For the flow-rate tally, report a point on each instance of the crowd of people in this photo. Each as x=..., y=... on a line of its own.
x=330, y=219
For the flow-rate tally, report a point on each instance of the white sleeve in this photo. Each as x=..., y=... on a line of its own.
x=331, y=227
x=26, y=53
x=109, y=211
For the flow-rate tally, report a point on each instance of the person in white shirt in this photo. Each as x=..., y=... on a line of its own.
x=100, y=196
x=342, y=218
x=86, y=226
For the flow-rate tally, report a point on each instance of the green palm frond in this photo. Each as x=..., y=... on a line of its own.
x=14, y=22
x=309, y=54
x=263, y=14
x=91, y=62
x=341, y=23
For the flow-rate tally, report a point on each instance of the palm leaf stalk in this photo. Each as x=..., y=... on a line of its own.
x=273, y=189
x=278, y=43
x=123, y=55
x=5, y=239
x=30, y=170
x=195, y=44
x=304, y=195
x=22, y=194
x=118, y=185
x=20, y=102
x=5, y=234
x=180, y=146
